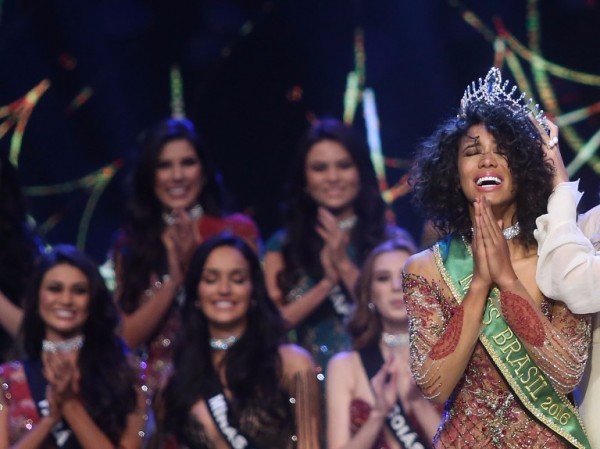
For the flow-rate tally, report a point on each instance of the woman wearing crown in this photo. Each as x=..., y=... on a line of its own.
x=484, y=340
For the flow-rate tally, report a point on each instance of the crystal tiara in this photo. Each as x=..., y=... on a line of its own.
x=491, y=90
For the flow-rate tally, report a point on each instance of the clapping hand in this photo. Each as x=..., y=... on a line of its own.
x=385, y=387
x=184, y=236
x=336, y=241
x=175, y=267
x=61, y=372
x=329, y=270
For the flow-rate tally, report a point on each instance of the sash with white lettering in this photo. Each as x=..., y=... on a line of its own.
x=372, y=360
x=61, y=432
x=218, y=406
x=525, y=378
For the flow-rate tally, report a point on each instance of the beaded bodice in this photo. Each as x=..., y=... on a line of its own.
x=482, y=410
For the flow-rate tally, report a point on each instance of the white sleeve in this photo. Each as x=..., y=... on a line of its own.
x=568, y=267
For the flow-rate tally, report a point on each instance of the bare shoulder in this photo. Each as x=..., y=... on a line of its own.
x=342, y=361
x=420, y=263
x=295, y=358
x=343, y=365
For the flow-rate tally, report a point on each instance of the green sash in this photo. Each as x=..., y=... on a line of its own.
x=526, y=380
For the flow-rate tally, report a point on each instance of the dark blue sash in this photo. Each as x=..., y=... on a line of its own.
x=396, y=420
x=61, y=432
x=218, y=406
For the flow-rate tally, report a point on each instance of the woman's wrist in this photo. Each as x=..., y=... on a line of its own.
x=345, y=266
x=326, y=284
x=480, y=286
x=378, y=415
x=510, y=283
x=171, y=283
x=70, y=404
x=167, y=283
x=50, y=420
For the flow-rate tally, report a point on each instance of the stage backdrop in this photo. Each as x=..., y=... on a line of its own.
x=79, y=81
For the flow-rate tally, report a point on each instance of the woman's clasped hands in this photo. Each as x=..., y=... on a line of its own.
x=63, y=377
x=490, y=249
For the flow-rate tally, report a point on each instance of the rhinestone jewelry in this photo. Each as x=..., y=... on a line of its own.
x=394, y=340
x=492, y=91
x=552, y=142
x=195, y=213
x=512, y=231
x=509, y=233
x=347, y=223
x=223, y=344
x=69, y=345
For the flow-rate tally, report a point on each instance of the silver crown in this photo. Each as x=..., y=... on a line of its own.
x=491, y=90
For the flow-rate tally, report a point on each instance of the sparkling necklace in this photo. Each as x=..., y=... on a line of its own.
x=69, y=345
x=509, y=233
x=347, y=223
x=195, y=213
x=223, y=344
x=395, y=340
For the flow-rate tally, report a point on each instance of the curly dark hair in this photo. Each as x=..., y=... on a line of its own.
x=141, y=248
x=107, y=378
x=252, y=365
x=435, y=178
x=302, y=244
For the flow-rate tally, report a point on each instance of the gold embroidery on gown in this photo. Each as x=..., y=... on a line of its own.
x=482, y=411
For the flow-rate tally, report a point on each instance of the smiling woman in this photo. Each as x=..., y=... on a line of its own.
x=178, y=175
x=332, y=178
x=224, y=292
x=77, y=387
x=64, y=301
x=334, y=217
x=370, y=389
x=235, y=383
x=175, y=206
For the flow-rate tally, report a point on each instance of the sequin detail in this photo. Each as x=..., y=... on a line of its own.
x=522, y=318
x=446, y=346
x=482, y=411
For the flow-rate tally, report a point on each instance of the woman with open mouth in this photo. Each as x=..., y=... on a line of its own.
x=77, y=386
x=485, y=341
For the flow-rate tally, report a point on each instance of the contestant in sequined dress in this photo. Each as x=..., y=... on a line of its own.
x=484, y=340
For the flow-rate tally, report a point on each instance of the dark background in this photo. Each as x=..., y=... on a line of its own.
x=254, y=73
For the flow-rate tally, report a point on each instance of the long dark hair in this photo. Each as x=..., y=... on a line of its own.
x=142, y=249
x=107, y=379
x=302, y=244
x=364, y=325
x=252, y=365
x=435, y=179
x=20, y=244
